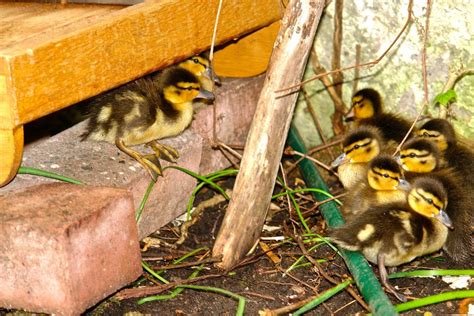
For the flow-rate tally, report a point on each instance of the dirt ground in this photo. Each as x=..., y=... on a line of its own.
x=263, y=282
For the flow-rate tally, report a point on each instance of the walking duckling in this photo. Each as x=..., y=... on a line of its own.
x=383, y=184
x=396, y=233
x=420, y=157
x=359, y=147
x=144, y=111
x=367, y=109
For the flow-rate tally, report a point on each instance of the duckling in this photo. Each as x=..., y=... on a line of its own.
x=201, y=68
x=359, y=147
x=421, y=156
x=367, y=109
x=396, y=233
x=144, y=111
x=383, y=184
x=456, y=154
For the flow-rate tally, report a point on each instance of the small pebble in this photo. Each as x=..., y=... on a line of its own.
x=54, y=166
x=132, y=168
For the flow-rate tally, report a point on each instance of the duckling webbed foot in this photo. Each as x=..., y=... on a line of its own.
x=165, y=152
x=384, y=279
x=149, y=162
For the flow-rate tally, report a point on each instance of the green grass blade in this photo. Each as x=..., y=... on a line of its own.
x=241, y=299
x=201, y=178
x=190, y=254
x=323, y=297
x=433, y=299
x=138, y=213
x=306, y=190
x=153, y=273
x=173, y=294
x=47, y=174
x=427, y=273
x=211, y=177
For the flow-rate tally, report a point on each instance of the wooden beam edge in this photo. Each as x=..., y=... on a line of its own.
x=39, y=91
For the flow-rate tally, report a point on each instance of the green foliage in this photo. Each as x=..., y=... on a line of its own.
x=445, y=98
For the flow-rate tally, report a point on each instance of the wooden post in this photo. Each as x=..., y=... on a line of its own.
x=253, y=188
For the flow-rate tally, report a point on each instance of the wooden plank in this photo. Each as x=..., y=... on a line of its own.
x=11, y=137
x=244, y=218
x=59, y=68
x=249, y=56
x=29, y=22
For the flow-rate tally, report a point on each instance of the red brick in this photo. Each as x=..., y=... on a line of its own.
x=65, y=247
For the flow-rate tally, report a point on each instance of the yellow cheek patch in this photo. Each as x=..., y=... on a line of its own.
x=425, y=203
x=420, y=161
x=383, y=179
x=183, y=92
x=362, y=151
x=363, y=109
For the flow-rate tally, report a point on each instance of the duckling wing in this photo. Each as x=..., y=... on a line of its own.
x=116, y=112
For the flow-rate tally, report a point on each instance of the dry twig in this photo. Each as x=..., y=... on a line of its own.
x=425, y=76
x=370, y=63
x=327, y=276
x=355, y=81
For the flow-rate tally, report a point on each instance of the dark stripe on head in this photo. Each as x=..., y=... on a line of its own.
x=442, y=126
x=385, y=162
x=422, y=144
x=373, y=96
x=361, y=134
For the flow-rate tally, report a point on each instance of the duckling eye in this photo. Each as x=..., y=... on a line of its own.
x=426, y=134
x=412, y=155
x=385, y=175
x=195, y=60
x=356, y=146
x=429, y=201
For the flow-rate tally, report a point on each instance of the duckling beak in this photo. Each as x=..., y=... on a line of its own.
x=206, y=95
x=349, y=116
x=342, y=159
x=398, y=159
x=403, y=185
x=209, y=73
x=444, y=218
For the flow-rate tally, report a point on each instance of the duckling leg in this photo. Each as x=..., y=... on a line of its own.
x=153, y=168
x=169, y=153
x=384, y=278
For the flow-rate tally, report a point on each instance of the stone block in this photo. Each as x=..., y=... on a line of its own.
x=65, y=247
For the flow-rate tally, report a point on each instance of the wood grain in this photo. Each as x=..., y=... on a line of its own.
x=55, y=69
x=253, y=188
x=249, y=56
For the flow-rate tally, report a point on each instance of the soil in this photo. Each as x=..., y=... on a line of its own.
x=263, y=282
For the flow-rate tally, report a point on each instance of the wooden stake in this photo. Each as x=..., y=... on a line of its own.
x=253, y=188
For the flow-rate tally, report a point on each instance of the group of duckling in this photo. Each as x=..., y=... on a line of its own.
x=151, y=108
x=408, y=204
